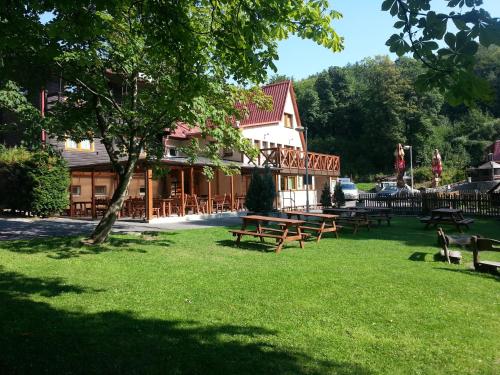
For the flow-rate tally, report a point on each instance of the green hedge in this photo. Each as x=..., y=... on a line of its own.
x=34, y=182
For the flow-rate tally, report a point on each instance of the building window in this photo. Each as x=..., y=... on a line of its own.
x=85, y=145
x=172, y=151
x=309, y=182
x=291, y=182
x=227, y=152
x=288, y=120
x=142, y=191
x=100, y=190
x=300, y=183
x=76, y=190
x=256, y=143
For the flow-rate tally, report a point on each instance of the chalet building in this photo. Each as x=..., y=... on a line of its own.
x=184, y=189
x=489, y=170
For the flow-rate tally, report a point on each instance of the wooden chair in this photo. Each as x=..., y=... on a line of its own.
x=226, y=205
x=445, y=241
x=191, y=203
x=485, y=244
x=218, y=202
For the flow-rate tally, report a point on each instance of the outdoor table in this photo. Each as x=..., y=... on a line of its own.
x=325, y=223
x=380, y=213
x=356, y=217
x=450, y=216
x=290, y=230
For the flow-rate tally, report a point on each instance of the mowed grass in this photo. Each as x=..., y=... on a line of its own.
x=189, y=302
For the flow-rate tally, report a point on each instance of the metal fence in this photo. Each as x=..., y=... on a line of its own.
x=471, y=203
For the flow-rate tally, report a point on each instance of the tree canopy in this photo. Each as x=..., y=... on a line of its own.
x=362, y=111
x=446, y=44
x=133, y=69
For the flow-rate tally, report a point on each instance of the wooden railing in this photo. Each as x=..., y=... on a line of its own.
x=471, y=203
x=296, y=159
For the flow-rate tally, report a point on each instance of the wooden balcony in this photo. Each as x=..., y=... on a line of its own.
x=290, y=161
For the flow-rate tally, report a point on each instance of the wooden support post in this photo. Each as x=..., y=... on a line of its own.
x=217, y=187
x=191, y=180
x=232, y=193
x=209, y=208
x=148, y=183
x=276, y=185
x=71, y=208
x=92, y=206
x=183, y=198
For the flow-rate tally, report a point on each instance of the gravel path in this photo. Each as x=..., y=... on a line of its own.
x=25, y=228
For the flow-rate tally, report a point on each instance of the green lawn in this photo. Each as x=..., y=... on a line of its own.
x=365, y=186
x=190, y=302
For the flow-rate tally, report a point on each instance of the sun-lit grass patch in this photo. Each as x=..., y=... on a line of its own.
x=191, y=302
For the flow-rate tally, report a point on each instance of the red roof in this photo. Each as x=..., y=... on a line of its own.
x=278, y=92
x=256, y=116
x=184, y=131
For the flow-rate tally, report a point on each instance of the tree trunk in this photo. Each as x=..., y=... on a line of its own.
x=101, y=232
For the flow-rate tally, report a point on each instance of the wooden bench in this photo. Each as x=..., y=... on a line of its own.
x=444, y=241
x=355, y=223
x=316, y=223
x=447, y=216
x=485, y=244
x=379, y=214
x=289, y=230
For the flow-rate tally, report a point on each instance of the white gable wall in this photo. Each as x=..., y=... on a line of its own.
x=274, y=134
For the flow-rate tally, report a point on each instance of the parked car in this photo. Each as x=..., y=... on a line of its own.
x=392, y=190
x=350, y=191
x=384, y=184
x=388, y=191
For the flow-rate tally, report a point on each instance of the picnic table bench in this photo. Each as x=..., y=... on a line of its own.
x=485, y=244
x=355, y=217
x=316, y=222
x=288, y=230
x=446, y=241
x=379, y=214
x=450, y=216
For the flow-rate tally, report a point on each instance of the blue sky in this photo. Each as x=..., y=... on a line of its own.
x=365, y=29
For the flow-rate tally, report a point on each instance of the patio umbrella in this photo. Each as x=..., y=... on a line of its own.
x=437, y=167
x=399, y=165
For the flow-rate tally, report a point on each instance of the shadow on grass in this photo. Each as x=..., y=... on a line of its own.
x=70, y=247
x=250, y=245
x=418, y=256
x=474, y=273
x=37, y=338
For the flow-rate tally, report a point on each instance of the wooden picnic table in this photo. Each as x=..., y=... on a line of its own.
x=289, y=230
x=450, y=216
x=380, y=213
x=355, y=217
x=316, y=222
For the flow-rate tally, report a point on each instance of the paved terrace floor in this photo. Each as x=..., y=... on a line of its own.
x=24, y=228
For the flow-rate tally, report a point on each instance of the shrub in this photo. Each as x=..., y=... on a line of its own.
x=35, y=182
x=422, y=174
x=339, y=196
x=261, y=191
x=326, y=196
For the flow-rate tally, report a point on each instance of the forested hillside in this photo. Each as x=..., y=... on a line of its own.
x=362, y=111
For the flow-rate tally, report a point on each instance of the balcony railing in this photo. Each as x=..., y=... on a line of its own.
x=287, y=158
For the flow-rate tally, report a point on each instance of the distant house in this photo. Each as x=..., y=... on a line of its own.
x=490, y=169
x=184, y=186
